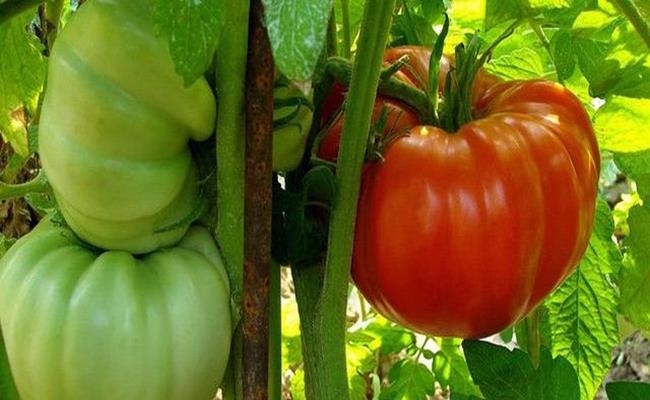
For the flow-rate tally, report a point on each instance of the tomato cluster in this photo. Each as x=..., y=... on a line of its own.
x=463, y=233
x=131, y=302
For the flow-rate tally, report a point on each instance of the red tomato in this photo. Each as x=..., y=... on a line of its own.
x=463, y=233
x=400, y=118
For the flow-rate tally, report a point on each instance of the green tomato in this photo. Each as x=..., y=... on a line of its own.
x=114, y=129
x=83, y=324
x=292, y=118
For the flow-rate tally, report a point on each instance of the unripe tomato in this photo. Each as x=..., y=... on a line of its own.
x=114, y=129
x=80, y=323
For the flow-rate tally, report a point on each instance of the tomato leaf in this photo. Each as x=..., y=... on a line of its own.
x=510, y=375
x=297, y=31
x=635, y=275
x=499, y=11
x=450, y=368
x=621, y=124
x=409, y=380
x=193, y=28
x=22, y=72
x=628, y=390
x=581, y=319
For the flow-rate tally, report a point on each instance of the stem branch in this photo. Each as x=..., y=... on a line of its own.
x=37, y=185
x=636, y=18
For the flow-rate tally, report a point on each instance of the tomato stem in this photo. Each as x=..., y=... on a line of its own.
x=37, y=185
x=322, y=292
x=230, y=78
x=533, y=340
x=434, y=67
x=636, y=18
x=341, y=69
x=345, y=27
x=456, y=110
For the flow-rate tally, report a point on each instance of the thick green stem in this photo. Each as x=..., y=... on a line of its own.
x=341, y=70
x=323, y=311
x=533, y=339
x=231, y=84
x=37, y=185
x=640, y=22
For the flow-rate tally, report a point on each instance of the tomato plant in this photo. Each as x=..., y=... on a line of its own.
x=114, y=101
x=115, y=123
x=81, y=323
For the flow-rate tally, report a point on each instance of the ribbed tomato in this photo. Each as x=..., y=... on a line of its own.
x=463, y=233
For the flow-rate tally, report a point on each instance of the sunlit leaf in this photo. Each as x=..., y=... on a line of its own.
x=297, y=31
x=22, y=72
x=582, y=312
x=622, y=124
x=193, y=28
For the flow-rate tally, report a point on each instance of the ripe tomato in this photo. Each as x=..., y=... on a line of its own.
x=463, y=233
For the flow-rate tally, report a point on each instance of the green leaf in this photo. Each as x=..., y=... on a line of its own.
x=409, y=380
x=521, y=56
x=563, y=55
x=621, y=124
x=628, y=391
x=499, y=372
x=297, y=30
x=194, y=29
x=581, y=314
x=635, y=276
x=509, y=375
x=633, y=80
x=450, y=368
x=499, y=11
x=22, y=72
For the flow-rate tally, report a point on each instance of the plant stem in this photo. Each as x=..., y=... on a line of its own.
x=332, y=40
x=533, y=340
x=37, y=185
x=230, y=81
x=12, y=8
x=257, y=206
x=322, y=312
x=275, y=333
x=345, y=23
x=341, y=70
x=636, y=18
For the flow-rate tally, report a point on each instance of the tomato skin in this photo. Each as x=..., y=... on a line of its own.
x=462, y=234
x=114, y=129
x=85, y=324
